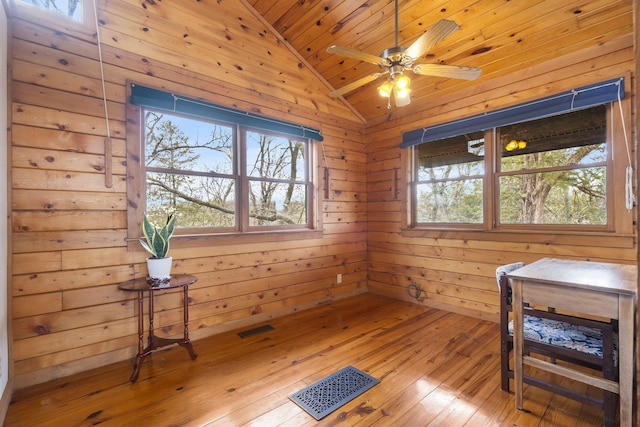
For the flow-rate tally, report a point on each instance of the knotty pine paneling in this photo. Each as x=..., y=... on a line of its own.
x=69, y=251
x=517, y=40
x=611, y=58
x=456, y=270
x=49, y=139
x=69, y=230
x=67, y=200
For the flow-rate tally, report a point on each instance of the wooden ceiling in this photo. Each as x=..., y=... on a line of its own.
x=499, y=36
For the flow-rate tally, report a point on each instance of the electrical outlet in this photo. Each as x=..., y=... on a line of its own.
x=339, y=278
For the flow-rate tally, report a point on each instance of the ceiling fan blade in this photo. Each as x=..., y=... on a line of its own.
x=351, y=86
x=356, y=54
x=438, y=32
x=452, y=71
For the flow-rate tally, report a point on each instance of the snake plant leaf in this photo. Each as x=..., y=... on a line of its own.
x=160, y=245
x=146, y=247
x=157, y=240
x=167, y=231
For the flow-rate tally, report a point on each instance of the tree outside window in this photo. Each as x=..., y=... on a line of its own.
x=69, y=8
x=276, y=176
x=550, y=171
x=224, y=177
x=555, y=170
x=449, y=186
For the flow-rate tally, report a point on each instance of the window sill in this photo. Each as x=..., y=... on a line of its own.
x=195, y=240
x=576, y=238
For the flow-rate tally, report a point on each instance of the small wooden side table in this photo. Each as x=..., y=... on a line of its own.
x=141, y=285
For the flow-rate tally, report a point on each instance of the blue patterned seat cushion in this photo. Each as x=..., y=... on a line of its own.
x=563, y=334
x=554, y=332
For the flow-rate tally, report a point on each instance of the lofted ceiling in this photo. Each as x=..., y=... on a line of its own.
x=499, y=36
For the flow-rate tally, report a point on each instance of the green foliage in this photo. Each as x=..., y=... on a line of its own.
x=157, y=239
x=541, y=195
x=454, y=194
x=559, y=177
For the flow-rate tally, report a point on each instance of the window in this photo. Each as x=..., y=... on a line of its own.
x=449, y=180
x=219, y=177
x=68, y=8
x=554, y=170
x=224, y=177
x=551, y=171
x=562, y=171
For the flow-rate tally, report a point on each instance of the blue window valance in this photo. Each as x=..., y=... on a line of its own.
x=583, y=97
x=148, y=97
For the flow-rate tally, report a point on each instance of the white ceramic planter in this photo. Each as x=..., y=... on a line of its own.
x=159, y=268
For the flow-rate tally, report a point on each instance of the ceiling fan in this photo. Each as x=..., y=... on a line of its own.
x=395, y=60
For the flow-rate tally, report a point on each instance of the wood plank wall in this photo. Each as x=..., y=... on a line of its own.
x=6, y=338
x=456, y=271
x=69, y=251
x=69, y=229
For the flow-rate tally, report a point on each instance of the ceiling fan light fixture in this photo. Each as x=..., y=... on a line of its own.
x=515, y=145
x=401, y=93
x=403, y=82
x=385, y=89
x=396, y=60
x=402, y=97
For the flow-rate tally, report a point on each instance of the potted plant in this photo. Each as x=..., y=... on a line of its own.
x=157, y=244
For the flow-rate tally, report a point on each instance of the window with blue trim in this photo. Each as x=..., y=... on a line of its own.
x=554, y=170
x=220, y=176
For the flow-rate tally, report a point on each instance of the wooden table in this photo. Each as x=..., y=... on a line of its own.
x=590, y=288
x=141, y=286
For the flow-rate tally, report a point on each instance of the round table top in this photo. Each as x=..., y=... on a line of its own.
x=143, y=283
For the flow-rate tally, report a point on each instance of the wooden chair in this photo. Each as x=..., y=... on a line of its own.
x=575, y=340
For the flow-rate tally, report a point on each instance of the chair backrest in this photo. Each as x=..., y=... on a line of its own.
x=505, y=294
x=503, y=270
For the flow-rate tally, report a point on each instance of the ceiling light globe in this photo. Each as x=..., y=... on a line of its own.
x=403, y=82
x=385, y=89
x=403, y=101
x=402, y=97
x=402, y=93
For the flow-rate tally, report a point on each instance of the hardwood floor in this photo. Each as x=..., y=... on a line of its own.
x=436, y=368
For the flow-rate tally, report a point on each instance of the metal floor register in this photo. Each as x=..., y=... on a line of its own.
x=327, y=395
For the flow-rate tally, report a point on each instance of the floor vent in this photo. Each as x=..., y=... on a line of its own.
x=256, y=331
x=327, y=395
